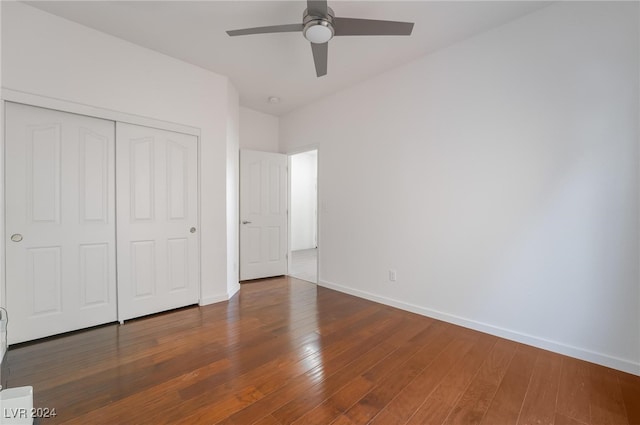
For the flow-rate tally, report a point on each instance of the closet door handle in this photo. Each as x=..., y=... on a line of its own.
x=246, y=222
x=192, y=230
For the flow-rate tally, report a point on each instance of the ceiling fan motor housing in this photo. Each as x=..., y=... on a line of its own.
x=318, y=29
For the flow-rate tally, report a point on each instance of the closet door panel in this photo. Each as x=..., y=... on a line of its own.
x=60, y=221
x=157, y=210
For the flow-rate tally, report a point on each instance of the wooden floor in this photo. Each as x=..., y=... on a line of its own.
x=283, y=351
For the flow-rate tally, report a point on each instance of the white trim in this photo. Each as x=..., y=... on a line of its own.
x=93, y=111
x=234, y=290
x=545, y=344
x=220, y=297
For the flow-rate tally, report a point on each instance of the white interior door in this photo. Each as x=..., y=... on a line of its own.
x=157, y=212
x=60, y=222
x=263, y=214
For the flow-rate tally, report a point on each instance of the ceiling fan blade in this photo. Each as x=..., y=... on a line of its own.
x=354, y=26
x=317, y=7
x=267, y=30
x=320, y=53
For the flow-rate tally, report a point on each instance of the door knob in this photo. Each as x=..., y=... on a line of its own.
x=192, y=230
x=17, y=237
x=246, y=222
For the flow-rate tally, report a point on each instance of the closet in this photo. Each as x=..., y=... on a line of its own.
x=101, y=221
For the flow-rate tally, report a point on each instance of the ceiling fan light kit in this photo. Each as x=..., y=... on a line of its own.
x=319, y=25
x=318, y=31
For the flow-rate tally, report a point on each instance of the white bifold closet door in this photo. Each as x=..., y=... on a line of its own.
x=157, y=214
x=60, y=222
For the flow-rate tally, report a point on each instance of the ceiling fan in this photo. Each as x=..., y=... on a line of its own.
x=319, y=25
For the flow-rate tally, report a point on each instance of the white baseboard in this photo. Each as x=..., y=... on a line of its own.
x=220, y=297
x=233, y=290
x=213, y=299
x=557, y=347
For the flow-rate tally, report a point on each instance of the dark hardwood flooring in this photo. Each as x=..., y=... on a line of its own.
x=284, y=351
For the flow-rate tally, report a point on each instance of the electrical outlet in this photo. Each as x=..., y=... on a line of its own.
x=392, y=275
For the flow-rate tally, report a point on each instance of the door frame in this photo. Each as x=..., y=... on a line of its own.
x=9, y=95
x=289, y=154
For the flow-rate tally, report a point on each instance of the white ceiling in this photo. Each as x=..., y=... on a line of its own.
x=281, y=64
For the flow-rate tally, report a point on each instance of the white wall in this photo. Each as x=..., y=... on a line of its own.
x=303, y=200
x=49, y=56
x=258, y=131
x=233, y=201
x=3, y=335
x=499, y=176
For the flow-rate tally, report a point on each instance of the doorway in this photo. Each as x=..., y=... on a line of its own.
x=303, y=217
